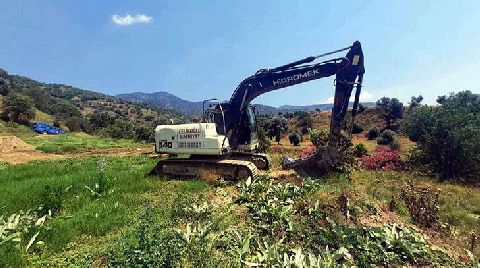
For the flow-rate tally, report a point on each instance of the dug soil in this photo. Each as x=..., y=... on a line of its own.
x=15, y=151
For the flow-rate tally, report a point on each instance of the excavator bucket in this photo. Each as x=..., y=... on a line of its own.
x=316, y=165
x=326, y=159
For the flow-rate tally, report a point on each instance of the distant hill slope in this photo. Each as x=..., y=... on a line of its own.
x=164, y=100
x=315, y=107
x=62, y=102
x=167, y=100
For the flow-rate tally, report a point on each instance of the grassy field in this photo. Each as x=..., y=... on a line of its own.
x=67, y=143
x=86, y=220
x=101, y=212
x=109, y=211
x=76, y=142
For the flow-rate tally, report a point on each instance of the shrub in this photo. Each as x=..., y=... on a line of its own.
x=360, y=150
x=18, y=108
x=383, y=158
x=4, y=84
x=121, y=129
x=387, y=137
x=373, y=133
x=448, y=135
x=319, y=137
x=75, y=123
x=415, y=102
x=294, y=138
x=144, y=133
x=357, y=129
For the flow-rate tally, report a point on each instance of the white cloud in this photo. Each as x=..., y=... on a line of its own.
x=364, y=96
x=130, y=20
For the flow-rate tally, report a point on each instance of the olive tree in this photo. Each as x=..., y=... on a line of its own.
x=390, y=110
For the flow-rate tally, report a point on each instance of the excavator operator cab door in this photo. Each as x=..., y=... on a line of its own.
x=248, y=132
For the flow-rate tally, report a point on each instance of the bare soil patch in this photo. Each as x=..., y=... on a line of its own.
x=15, y=151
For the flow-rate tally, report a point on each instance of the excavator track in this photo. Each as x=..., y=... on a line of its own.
x=261, y=161
x=223, y=168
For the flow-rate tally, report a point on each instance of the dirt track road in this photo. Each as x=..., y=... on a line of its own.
x=15, y=151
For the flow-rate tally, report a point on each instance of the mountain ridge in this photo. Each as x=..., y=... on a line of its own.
x=167, y=100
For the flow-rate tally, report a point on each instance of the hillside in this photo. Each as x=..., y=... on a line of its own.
x=164, y=100
x=167, y=100
x=317, y=107
x=61, y=103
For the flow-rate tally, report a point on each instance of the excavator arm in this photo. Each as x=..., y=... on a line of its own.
x=349, y=71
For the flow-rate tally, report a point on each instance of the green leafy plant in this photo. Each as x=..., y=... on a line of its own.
x=373, y=133
x=51, y=199
x=387, y=137
x=360, y=150
x=390, y=110
x=319, y=137
x=18, y=234
x=102, y=182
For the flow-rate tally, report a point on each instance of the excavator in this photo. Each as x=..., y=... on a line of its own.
x=225, y=142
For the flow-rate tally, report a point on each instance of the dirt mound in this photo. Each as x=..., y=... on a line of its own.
x=15, y=151
x=10, y=144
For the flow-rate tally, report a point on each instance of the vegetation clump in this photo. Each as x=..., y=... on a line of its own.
x=390, y=110
x=360, y=150
x=319, y=137
x=383, y=158
x=18, y=108
x=294, y=138
x=448, y=135
x=422, y=203
x=387, y=137
x=373, y=133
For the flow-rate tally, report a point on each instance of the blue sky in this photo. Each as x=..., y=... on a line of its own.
x=203, y=49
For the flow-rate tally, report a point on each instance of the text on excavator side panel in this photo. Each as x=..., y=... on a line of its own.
x=296, y=77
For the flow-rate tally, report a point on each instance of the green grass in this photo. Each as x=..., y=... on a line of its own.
x=88, y=224
x=9, y=129
x=76, y=142
x=87, y=228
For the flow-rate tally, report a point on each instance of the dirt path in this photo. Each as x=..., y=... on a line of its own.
x=15, y=151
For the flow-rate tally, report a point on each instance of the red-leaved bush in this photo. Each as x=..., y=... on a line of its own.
x=308, y=151
x=383, y=158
